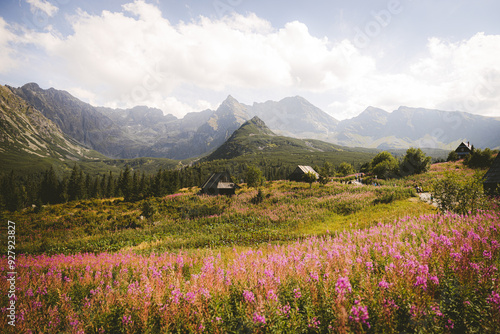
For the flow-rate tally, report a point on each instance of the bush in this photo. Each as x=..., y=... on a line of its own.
x=345, y=169
x=460, y=195
x=479, y=158
x=148, y=209
x=258, y=198
x=414, y=162
x=254, y=177
x=453, y=156
x=310, y=178
x=384, y=165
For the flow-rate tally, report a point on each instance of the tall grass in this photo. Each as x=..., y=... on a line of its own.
x=432, y=274
x=287, y=211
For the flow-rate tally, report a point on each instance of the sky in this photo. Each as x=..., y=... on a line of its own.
x=185, y=56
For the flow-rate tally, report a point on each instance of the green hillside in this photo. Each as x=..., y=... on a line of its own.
x=254, y=142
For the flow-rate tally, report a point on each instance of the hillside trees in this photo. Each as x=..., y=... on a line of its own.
x=414, y=162
x=254, y=176
x=14, y=196
x=46, y=188
x=49, y=188
x=76, y=185
x=384, y=165
x=345, y=169
x=479, y=158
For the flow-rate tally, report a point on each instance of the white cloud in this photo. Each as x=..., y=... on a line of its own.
x=137, y=57
x=7, y=53
x=134, y=54
x=461, y=76
x=43, y=6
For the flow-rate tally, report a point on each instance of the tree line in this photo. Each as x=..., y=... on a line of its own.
x=17, y=192
x=46, y=188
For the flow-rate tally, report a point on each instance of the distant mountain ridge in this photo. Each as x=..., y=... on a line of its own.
x=24, y=130
x=147, y=132
x=417, y=127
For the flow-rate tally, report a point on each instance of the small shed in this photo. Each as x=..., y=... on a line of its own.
x=463, y=149
x=219, y=184
x=492, y=177
x=300, y=171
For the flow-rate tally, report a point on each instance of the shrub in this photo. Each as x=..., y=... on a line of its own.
x=148, y=209
x=258, y=198
x=345, y=169
x=384, y=165
x=254, y=177
x=453, y=156
x=310, y=178
x=414, y=162
x=460, y=195
x=479, y=158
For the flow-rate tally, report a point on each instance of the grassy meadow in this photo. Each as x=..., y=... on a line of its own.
x=288, y=258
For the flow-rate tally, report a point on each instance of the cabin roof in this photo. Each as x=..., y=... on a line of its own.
x=467, y=145
x=307, y=169
x=220, y=180
x=493, y=174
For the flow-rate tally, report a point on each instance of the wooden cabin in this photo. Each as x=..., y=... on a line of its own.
x=300, y=171
x=463, y=149
x=219, y=184
x=492, y=177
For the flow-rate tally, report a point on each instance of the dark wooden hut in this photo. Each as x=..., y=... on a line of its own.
x=219, y=184
x=492, y=177
x=300, y=171
x=463, y=149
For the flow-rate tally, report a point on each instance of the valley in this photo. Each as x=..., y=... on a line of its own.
x=113, y=235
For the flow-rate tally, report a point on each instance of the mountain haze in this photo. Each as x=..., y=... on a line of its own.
x=417, y=127
x=296, y=117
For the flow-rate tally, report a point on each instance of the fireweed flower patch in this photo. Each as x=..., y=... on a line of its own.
x=434, y=274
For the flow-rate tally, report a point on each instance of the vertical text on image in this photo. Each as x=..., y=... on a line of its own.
x=11, y=274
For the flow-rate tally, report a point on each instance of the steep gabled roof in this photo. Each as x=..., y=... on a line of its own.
x=467, y=145
x=493, y=174
x=300, y=171
x=215, y=179
x=307, y=169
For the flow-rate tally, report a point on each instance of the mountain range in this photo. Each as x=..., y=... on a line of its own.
x=26, y=132
x=147, y=132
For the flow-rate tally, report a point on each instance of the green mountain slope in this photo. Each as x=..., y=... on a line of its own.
x=29, y=140
x=254, y=141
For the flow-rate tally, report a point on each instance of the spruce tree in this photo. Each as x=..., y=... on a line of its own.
x=125, y=183
x=12, y=193
x=49, y=192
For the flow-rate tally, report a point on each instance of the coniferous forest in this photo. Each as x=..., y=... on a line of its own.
x=48, y=187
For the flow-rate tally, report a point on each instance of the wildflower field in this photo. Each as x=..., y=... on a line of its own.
x=327, y=259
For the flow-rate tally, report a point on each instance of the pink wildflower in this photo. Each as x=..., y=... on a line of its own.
x=257, y=318
x=494, y=298
x=272, y=296
x=249, y=296
x=359, y=314
x=384, y=284
x=343, y=285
